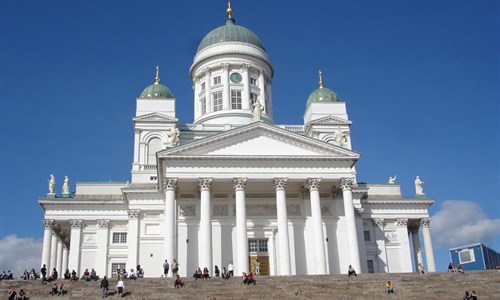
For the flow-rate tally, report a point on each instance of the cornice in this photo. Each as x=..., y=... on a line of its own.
x=396, y=201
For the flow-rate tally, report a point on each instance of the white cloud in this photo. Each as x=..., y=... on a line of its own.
x=460, y=222
x=18, y=254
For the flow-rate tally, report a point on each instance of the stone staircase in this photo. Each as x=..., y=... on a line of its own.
x=365, y=286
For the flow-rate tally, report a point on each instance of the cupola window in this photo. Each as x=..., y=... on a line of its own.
x=203, y=105
x=236, y=99
x=203, y=86
x=217, y=80
x=217, y=101
x=253, y=81
x=154, y=146
x=253, y=98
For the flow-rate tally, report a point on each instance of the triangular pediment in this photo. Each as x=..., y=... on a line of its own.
x=154, y=117
x=259, y=140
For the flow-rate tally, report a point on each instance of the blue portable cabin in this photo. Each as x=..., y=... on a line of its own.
x=475, y=257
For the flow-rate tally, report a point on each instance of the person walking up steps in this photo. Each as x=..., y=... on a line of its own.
x=166, y=266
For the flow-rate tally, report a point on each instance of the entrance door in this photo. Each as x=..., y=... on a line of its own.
x=257, y=249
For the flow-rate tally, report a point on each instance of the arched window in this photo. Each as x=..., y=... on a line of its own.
x=154, y=146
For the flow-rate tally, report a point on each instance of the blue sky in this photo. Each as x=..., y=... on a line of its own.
x=420, y=78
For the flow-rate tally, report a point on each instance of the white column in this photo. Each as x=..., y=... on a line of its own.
x=102, y=239
x=402, y=231
x=133, y=238
x=226, y=91
x=241, y=226
x=53, y=253
x=262, y=96
x=47, y=239
x=74, y=246
x=383, y=264
x=429, y=252
x=245, y=94
x=208, y=91
x=137, y=134
x=197, y=102
x=284, y=244
x=169, y=212
x=205, y=233
x=65, y=258
x=319, y=240
x=352, y=236
x=59, y=258
x=417, y=252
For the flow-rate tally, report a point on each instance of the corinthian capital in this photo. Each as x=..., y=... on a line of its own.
x=133, y=213
x=169, y=183
x=47, y=224
x=205, y=183
x=280, y=183
x=76, y=223
x=425, y=222
x=346, y=183
x=313, y=183
x=403, y=222
x=102, y=223
x=239, y=183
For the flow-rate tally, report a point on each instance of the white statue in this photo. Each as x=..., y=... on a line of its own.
x=52, y=184
x=173, y=136
x=419, y=187
x=392, y=180
x=340, y=137
x=65, y=187
x=257, y=110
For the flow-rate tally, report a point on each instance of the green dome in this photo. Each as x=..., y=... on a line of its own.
x=322, y=94
x=230, y=33
x=156, y=91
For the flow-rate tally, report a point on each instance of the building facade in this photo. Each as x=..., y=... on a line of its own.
x=234, y=187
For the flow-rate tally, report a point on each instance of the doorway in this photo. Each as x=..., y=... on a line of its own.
x=258, y=250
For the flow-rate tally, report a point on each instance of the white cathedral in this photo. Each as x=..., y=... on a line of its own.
x=234, y=187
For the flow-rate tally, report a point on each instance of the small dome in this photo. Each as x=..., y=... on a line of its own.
x=322, y=94
x=230, y=33
x=156, y=91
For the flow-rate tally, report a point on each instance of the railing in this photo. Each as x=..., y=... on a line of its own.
x=148, y=167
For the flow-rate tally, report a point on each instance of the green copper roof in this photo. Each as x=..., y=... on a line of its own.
x=230, y=33
x=322, y=94
x=156, y=91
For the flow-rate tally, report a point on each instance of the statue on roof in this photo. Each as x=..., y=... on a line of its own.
x=392, y=180
x=173, y=136
x=419, y=187
x=52, y=184
x=340, y=137
x=257, y=110
x=65, y=187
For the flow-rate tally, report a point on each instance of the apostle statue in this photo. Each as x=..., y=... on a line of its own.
x=392, y=180
x=52, y=184
x=419, y=187
x=65, y=187
x=257, y=110
x=173, y=136
x=340, y=137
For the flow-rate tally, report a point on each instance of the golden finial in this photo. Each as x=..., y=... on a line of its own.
x=157, y=78
x=320, y=79
x=229, y=10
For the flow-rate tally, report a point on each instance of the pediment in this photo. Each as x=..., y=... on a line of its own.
x=259, y=140
x=328, y=120
x=154, y=117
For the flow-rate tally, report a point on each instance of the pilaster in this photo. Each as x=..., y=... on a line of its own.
x=75, y=242
x=133, y=238
x=402, y=230
x=102, y=239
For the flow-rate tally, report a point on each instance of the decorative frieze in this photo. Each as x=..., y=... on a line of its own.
x=313, y=183
x=169, y=183
x=326, y=210
x=346, y=183
x=205, y=183
x=220, y=210
x=425, y=222
x=76, y=223
x=133, y=213
x=239, y=183
x=293, y=209
x=391, y=236
x=260, y=210
x=187, y=210
x=280, y=183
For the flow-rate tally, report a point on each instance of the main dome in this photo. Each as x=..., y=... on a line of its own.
x=230, y=32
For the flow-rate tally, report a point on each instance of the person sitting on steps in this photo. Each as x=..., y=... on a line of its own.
x=178, y=283
x=351, y=271
x=389, y=288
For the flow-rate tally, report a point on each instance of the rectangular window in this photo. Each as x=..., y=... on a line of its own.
x=235, y=99
x=262, y=245
x=253, y=98
x=202, y=86
x=217, y=80
x=253, y=81
x=255, y=245
x=119, y=237
x=466, y=256
x=203, y=106
x=371, y=266
x=367, y=235
x=117, y=266
x=217, y=101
